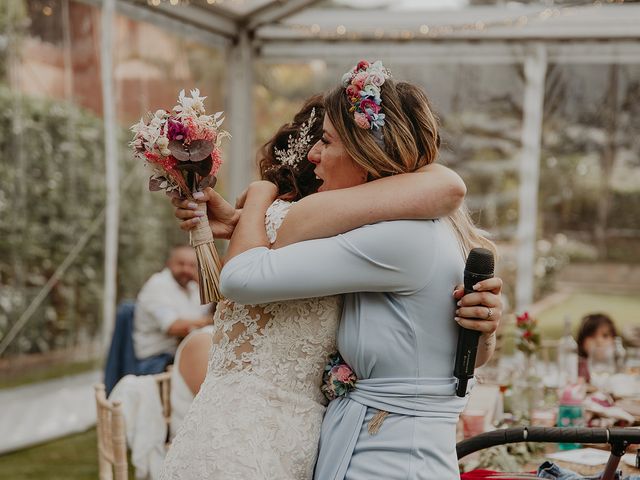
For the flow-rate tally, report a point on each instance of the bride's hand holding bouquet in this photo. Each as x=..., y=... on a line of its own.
x=222, y=216
x=182, y=147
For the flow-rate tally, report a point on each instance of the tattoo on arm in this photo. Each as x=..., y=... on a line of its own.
x=491, y=341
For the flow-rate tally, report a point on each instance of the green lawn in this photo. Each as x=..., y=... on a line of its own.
x=70, y=458
x=623, y=309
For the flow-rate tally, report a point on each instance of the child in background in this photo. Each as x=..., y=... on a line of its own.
x=597, y=332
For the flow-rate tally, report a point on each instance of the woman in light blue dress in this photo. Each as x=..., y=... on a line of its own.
x=396, y=331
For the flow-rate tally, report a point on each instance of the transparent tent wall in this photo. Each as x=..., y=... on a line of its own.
x=589, y=194
x=52, y=187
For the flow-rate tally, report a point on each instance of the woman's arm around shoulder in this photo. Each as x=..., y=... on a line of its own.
x=433, y=191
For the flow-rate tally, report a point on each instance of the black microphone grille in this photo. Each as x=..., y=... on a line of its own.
x=480, y=260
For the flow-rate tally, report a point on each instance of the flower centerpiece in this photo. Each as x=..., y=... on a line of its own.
x=527, y=389
x=528, y=339
x=182, y=148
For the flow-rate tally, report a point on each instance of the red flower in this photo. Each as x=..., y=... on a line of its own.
x=527, y=334
x=362, y=65
x=352, y=91
x=522, y=319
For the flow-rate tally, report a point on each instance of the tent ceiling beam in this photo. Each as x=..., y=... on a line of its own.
x=277, y=11
x=198, y=17
x=497, y=52
x=210, y=28
x=476, y=24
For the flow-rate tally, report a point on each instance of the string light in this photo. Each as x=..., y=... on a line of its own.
x=425, y=30
x=443, y=30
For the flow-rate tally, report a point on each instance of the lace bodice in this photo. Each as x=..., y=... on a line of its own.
x=259, y=411
x=287, y=342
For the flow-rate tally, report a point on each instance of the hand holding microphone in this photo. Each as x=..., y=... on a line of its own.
x=479, y=267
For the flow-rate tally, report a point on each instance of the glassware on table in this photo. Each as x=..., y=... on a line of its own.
x=632, y=363
x=602, y=365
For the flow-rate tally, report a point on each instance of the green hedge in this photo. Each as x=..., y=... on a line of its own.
x=51, y=189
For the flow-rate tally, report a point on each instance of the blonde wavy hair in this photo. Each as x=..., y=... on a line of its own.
x=411, y=141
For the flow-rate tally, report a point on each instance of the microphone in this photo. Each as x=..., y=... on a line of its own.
x=479, y=267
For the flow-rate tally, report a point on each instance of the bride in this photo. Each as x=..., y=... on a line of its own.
x=258, y=413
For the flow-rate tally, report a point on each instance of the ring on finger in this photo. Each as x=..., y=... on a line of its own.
x=489, y=313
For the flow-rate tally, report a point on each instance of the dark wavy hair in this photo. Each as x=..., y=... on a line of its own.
x=299, y=181
x=589, y=326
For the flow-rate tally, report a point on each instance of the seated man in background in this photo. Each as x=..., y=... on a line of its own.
x=168, y=308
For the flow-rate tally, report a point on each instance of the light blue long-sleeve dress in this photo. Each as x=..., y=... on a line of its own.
x=397, y=333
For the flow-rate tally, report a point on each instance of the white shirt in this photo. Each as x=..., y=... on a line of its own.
x=161, y=302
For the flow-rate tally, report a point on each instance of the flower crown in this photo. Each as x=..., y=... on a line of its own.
x=298, y=147
x=362, y=85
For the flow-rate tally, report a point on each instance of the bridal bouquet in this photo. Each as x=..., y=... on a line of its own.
x=182, y=147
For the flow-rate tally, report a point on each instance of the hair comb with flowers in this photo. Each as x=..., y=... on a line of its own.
x=362, y=85
x=298, y=147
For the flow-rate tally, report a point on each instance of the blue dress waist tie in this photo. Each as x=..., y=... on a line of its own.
x=418, y=397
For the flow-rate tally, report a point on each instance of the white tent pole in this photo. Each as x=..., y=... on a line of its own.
x=535, y=68
x=111, y=168
x=241, y=114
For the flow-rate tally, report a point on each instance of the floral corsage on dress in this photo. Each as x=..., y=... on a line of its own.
x=338, y=379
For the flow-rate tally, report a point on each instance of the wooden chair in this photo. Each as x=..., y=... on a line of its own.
x=164, y=384
x=112, y=441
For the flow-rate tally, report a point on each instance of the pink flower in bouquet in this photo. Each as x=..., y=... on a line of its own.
x=217, y=161
x=176, y=130
x=362, y=65
x=361, y=120
x=193, y=132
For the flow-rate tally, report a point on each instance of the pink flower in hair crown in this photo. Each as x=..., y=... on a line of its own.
x=361, y=120
x=362, y=85
x=353, y=91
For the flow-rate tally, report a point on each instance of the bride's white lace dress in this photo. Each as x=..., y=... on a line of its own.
x=259, y=410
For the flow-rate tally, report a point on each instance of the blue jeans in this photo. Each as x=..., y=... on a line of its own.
x=156, y=364
x=552, y=471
